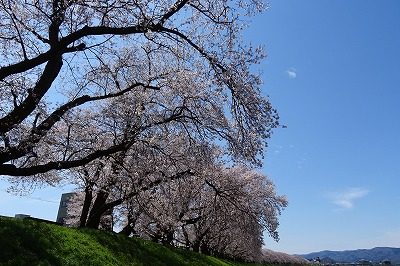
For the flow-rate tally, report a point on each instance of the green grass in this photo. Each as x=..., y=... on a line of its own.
x=27, y=242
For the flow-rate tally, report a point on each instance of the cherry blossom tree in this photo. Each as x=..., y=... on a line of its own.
x=140, y=104
x=221, y=211
x=67, y=63
x=273, y=257
x=178, y=197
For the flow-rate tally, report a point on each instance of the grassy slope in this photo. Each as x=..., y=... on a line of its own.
x=26, y=242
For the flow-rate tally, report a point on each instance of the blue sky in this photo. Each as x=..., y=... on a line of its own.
x=333, y=73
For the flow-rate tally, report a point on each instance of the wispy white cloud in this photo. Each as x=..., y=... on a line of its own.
x=292, y=73
x=346, y=198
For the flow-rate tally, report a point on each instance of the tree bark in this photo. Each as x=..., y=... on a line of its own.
x=130, y=227
x=98, y=209
x=22, y=111
x=86, y=206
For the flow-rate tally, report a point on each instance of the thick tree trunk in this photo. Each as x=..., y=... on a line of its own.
x=98, y=209
x=196, y=246
x=204, y=249
x=198, y=243
x=156, y=237
x=168, y=238
x=86, y=206
x=187, y=241
x=127, y=230
x=130, y=227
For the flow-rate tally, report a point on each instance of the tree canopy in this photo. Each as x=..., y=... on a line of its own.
x=82, y=80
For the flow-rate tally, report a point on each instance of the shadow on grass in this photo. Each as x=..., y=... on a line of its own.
x=134, y=251
x=25, y=243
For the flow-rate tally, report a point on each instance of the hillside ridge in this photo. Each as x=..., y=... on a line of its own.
x=376, y=254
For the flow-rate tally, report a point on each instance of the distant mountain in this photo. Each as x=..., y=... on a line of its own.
x=377, y=254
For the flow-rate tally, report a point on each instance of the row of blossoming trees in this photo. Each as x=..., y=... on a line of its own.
x=150, y=108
